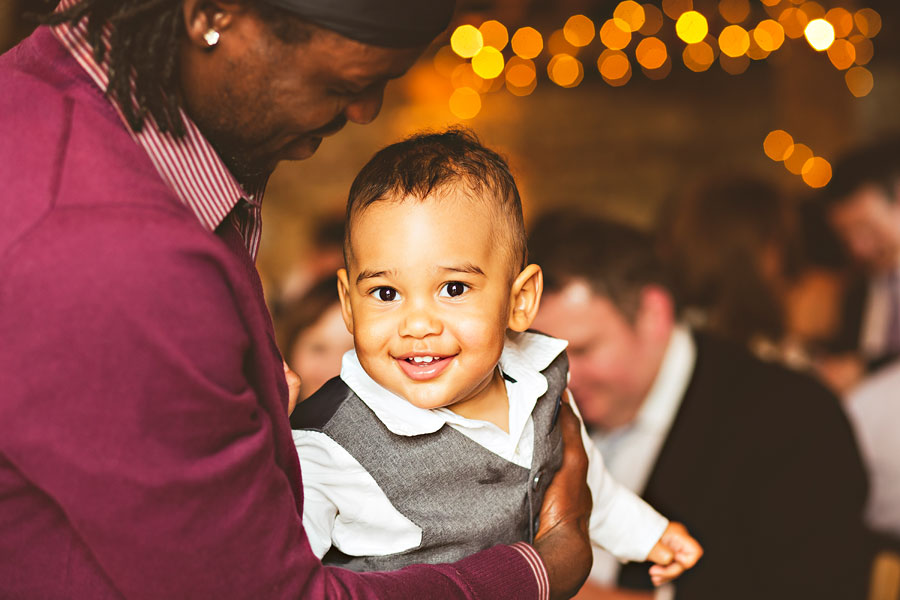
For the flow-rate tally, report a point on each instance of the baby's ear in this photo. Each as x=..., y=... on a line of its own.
x=343, y=288
x=525, y=297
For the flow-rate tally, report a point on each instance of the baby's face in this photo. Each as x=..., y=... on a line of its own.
x=427, y=297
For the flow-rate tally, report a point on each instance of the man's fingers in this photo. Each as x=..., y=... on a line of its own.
x=660, y=574
x=661, y=554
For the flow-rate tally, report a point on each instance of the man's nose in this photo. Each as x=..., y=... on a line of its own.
x=364, y=109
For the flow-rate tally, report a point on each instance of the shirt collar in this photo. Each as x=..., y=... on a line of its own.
x=190, y=166
x=662, y=402
x=524, y=356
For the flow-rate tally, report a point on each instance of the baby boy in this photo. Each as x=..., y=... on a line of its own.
x=439, y=438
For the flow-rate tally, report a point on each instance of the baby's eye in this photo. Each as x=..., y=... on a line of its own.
x=385, y=294
x=452, y=289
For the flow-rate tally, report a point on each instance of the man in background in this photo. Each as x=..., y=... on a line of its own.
x=758, y=461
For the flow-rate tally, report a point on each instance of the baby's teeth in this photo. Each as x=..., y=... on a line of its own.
x=423, y=359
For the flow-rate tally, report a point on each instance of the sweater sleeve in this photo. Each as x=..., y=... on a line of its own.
x=134, y=413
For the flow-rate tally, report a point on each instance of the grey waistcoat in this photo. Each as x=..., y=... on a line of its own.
x=464, y=497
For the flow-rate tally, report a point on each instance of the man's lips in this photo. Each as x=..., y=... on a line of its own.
x=422, y=366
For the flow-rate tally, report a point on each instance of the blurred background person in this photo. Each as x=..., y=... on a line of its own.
x=312, y=335
x=756, y=459
x=862, y=203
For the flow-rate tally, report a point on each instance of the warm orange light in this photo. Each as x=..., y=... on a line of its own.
x=488, y=63
x=691, y=27
x=466, y=41
x=816, y=172
x=812, y=10
x=613, y=64
x=653, y=20
x=734, y=41
x=842, y=54
x=494, y=34
x=794, y=21
x=675, y=8
x=522, y=91
x=778, y=144
x=565, y=70
x=465, y=103
x=631, y=13
x=445, y=60
x=734, y=65
x=864, y=49
x=859, y=81
x=464, y=76
x=527, y=42
x=520, y=72
x=820, y=34
x=754, y=51
x=842, y=21
x=615, y=34
x=769, y=35
x=797, y=158
x=660, y=73
x=558, y=44
x=771, y=3
x=651, y=53
x=579, y=31
x=734, y=11
x=868, y=21
x=698, y=57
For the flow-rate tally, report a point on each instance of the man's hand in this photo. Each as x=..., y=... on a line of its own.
x=674, y=553
x=562, y=540
x=293, y=383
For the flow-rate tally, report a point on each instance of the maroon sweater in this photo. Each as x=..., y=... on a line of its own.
x=145, y=450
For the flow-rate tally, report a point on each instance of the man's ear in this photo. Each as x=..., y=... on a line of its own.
x=656, y=313
x=343, y=286
x=206, y=20
x=525, y=298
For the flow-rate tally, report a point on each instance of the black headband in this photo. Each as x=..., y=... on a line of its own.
x=387, y=23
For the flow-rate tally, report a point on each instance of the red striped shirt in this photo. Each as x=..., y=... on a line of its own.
x=190, y=165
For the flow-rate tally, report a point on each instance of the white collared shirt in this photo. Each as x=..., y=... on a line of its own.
x=344, y=507
x=631, y=451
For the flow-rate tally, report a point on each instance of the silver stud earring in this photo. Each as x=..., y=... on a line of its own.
x=211, y=37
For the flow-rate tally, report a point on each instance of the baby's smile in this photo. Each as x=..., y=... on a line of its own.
x=422, y=367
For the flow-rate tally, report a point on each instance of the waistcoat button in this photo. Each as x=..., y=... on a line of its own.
x=536, y=480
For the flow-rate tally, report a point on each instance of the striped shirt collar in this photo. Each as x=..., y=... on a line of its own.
x=190, y=166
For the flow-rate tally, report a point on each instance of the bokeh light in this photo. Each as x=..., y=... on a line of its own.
x=527, y=42
x=769, y=35
x=820, y=34
x=816, y=172
x=466, y=41
x=631, y=13
x=812, y=10
x=651, y=53
x=565, y=70
x=842, y=54
x=859, y=81
x=868, y=21
x=464, y=76
x=794, y=21
x=863, y=47
x=734, y=41
x=691, y=27
x=579, y=31
x=675, y=8
x=653, y=20
x=778, y=144
x=842, y=21
x=797, y=158
x=494, y=33
x=615, y=34
x=754, y=51
x=520, y=72
x=558, y=44
x=465, y=103
x=488, y=63
x=445, y=60
x=734, y=65
x=734, y=11
x=698, y=57
x=660, y=73
x=613, y=65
